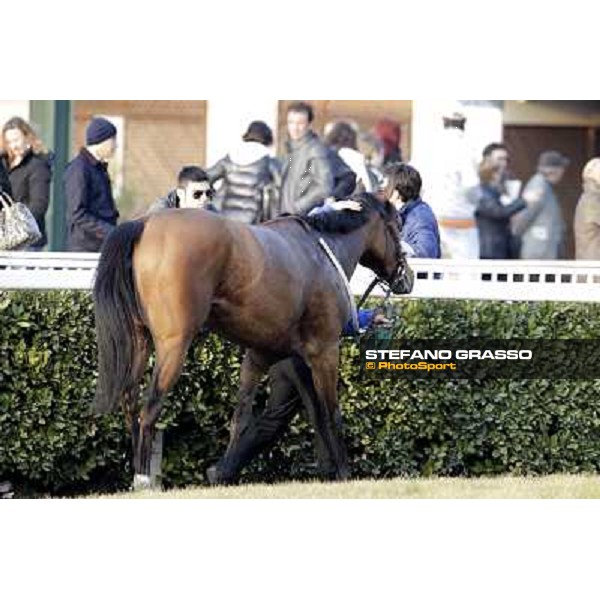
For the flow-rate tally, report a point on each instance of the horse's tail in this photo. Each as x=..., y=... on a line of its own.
x=118, y=316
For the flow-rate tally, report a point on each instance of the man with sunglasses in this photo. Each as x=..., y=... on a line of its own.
x=193, y=190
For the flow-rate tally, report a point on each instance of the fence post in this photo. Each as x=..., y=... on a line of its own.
x=62, y=153
x=53, y=119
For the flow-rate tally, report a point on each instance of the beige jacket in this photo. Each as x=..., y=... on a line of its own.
x=587, y=215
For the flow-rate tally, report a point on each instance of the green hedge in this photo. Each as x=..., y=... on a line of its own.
x=50, y=443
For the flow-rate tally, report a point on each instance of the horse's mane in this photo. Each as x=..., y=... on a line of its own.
x=345, y=221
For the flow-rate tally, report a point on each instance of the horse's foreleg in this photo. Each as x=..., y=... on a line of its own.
x=328, y=418
x=170, y=356
x=303, y=381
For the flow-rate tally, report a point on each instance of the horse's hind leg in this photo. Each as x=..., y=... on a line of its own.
x=170, y=356
x=130, y=400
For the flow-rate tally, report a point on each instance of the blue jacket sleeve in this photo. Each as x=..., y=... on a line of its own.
x=365, y=317
x=421, y=233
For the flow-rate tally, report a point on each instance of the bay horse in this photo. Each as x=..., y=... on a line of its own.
x=270, y=288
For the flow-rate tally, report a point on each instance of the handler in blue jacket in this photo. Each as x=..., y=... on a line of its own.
x=420, y=233
x=291, y=379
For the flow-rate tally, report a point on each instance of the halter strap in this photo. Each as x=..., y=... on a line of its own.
x=339, y=269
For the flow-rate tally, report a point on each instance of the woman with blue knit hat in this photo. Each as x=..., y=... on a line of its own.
x=91, y=210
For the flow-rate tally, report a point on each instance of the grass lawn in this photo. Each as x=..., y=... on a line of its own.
x=554, y=486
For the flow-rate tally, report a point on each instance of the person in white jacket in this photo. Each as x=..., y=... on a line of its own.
x=250, y=176
x=343, y=138
x=450, y=191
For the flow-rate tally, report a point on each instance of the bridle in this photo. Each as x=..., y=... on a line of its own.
x=400, y=281
x=396, y=281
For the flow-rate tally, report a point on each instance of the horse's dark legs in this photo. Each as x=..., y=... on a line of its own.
x=282, y=405
x=254, y=366
x=303, y=382
x=170, y=356
x=328, y=418
x=130, y=408
x=130, y=400
x=291, y=384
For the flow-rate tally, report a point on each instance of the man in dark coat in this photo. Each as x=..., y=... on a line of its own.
x=91, y=210
x=307, y=178
x=492, y=216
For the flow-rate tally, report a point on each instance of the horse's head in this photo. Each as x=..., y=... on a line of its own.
x=382, y=251
x=384, y=254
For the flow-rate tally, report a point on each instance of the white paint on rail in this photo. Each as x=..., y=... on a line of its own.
x=577, y=281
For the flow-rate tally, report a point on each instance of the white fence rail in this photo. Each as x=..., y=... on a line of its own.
x=47, y=270
x=492, y=280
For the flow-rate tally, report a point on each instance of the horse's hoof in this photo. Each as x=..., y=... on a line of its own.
x=6, y=490
x=343, y=474
x=215, y=476
x=211, y=475
x=142, y=482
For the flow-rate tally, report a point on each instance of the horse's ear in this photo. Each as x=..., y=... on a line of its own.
x=360, y=187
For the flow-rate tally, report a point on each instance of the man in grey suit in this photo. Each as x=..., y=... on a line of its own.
x=541, y=226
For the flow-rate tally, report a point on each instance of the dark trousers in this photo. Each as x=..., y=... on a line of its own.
x=291, y=387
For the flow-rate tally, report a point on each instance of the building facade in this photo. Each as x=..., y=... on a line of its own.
x=156, y=138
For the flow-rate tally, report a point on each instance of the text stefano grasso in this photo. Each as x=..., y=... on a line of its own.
x=497, y=354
